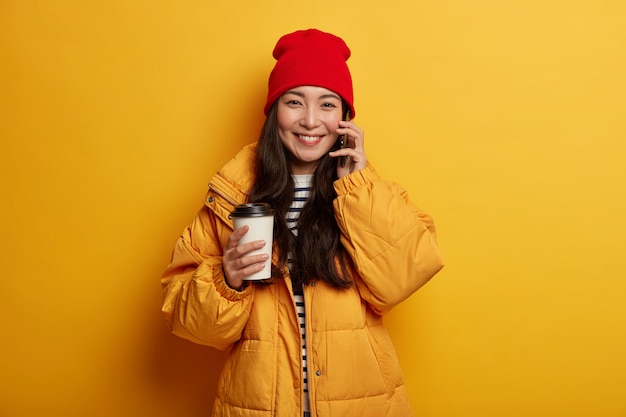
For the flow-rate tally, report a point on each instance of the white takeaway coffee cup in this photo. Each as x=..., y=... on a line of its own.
x=259, y=217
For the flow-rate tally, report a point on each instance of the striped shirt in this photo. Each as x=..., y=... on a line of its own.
x=303, y=190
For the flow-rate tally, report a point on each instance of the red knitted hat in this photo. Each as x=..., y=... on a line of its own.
x=310, y=57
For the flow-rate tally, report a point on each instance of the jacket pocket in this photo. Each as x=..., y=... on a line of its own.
x=353, y=369
x=247, y=380
x=386, y=357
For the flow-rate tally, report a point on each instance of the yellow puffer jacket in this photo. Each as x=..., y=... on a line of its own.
x=352, y=366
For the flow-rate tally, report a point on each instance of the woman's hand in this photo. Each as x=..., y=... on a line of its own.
x=236, y=262
x=354, y=152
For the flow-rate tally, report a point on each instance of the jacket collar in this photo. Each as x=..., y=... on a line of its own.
x=233, y=181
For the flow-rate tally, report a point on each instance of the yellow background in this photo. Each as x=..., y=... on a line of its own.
x=504, y=119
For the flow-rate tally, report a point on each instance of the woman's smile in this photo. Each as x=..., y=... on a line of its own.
x=310, y=140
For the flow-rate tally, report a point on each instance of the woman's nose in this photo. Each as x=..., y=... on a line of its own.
x=310, y=118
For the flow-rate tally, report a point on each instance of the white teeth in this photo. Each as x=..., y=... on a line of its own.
x=309, y=138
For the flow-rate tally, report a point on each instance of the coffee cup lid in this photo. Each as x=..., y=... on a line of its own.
x=252, y=210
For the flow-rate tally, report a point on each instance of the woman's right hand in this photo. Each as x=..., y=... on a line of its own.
x=237, y=263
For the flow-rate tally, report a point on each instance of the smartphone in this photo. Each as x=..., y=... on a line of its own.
x=343, y=140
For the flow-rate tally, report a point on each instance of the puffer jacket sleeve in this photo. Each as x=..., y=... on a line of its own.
x=391, y=242
x=197, y=303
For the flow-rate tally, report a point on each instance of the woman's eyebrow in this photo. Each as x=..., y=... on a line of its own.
x=295, y=92
x=323, y=96
x=330, y=96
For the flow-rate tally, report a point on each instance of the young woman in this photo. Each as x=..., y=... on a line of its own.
x=348, y=247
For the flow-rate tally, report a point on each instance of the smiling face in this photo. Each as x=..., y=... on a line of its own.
x=308, y=118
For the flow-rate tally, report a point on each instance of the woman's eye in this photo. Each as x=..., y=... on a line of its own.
x=293, y=102
x=329, y=105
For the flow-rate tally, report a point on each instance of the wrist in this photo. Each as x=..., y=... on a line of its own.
x=231, y=285
x=239, y=288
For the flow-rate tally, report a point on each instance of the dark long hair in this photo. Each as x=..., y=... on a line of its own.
x=317, y=250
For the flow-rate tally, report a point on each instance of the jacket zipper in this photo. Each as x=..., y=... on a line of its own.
x=223, y=195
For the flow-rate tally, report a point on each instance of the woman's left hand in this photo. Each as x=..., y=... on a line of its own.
x=354, y=153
